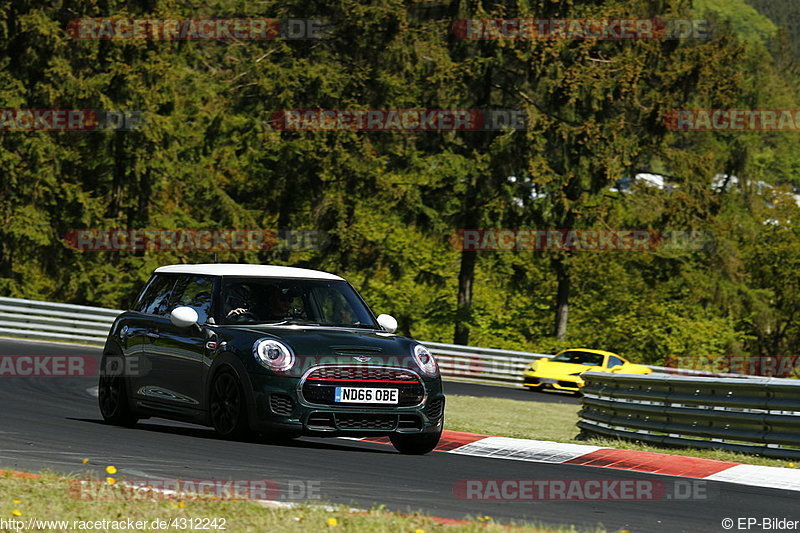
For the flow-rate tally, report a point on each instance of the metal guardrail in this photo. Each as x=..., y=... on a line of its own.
x=482, y=364
x=758, y=415
x=55, y=321
x=90, y=325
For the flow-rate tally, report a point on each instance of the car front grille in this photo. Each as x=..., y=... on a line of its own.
x=362, y=372
x=280, y=404
x=319, y=386
x=325, y=421
x=366, y=421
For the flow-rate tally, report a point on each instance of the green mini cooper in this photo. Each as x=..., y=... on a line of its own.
x=270, y=350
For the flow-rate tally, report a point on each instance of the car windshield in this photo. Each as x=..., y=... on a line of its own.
x=579, y=358
x=293, y=301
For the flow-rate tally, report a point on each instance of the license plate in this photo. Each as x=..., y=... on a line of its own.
x=365, y=395
x=548, y=380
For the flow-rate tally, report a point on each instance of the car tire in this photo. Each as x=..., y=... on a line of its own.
x=112, y=397
x=227, y=407
x=415, y=443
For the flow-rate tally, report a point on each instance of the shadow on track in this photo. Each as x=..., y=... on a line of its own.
x=207, y=433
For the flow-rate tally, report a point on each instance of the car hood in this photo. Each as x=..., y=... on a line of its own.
x=339, y=345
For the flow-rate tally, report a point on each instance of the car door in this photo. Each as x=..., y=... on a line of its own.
x=140, y=332
x=178, y=352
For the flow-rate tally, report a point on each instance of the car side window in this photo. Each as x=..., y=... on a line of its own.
x=155, y=300
x=195, y=292
x=614, y=361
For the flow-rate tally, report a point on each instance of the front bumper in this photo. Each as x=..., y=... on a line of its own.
x=567, y=383
x=279, y=406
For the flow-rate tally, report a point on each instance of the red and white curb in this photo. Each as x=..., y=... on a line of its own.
x=632, y=460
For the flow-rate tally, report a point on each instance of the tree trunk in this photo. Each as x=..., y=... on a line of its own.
x=562, y=298
x=466, y=275
x=472, y=211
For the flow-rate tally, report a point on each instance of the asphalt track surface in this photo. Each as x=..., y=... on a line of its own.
x=54, y=423
x=509, y=393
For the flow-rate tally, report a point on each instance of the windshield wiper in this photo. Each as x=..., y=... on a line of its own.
x=296, y=321
x=292, y=321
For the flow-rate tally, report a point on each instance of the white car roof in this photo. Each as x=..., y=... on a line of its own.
x=252, y=271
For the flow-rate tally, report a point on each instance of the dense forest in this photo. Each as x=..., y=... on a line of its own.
x=208, y=155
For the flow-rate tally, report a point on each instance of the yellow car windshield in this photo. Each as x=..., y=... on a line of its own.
x=579, y=358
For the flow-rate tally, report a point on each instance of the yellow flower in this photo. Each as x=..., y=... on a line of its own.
x=85, y=461
x=419, y=531
x=791, y=465
x=110, y=480
x=17, y=502
x=111, y=469
x=16, y=512
x=332, y=522
x=181, y=505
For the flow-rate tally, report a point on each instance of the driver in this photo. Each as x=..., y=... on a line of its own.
x=240, y=299
x=262, y=303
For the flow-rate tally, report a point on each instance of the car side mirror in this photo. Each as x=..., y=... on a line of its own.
x=388, y=323
x=183, y=317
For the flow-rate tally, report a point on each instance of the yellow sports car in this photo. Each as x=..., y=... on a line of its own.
x=563, y=371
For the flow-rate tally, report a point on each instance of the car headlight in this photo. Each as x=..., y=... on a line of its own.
x=273, y=354
x=425, y=360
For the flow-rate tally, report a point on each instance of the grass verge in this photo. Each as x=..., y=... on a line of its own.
x=47, y=497
x=556, y=422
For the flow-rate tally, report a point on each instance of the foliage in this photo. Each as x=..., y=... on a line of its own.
x=209, y=156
